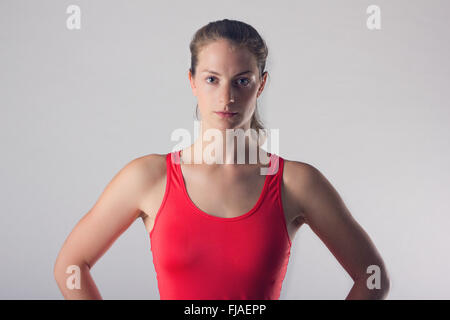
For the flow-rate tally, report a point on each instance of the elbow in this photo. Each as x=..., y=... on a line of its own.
x=64, y=266
x=58, y=270
x=376, y=283
x=386, y=283
x=385, y=280
x=58, y=273
x=384, y=287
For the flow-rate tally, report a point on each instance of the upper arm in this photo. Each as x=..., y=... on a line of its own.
x=115, y=210
x=327, y=215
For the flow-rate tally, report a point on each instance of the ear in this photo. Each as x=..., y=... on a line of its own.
x=263, y=82
x=192, y=82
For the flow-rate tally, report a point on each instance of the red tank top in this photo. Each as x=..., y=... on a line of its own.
x=198, y=256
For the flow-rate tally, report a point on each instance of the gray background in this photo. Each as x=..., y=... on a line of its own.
x=368, y=108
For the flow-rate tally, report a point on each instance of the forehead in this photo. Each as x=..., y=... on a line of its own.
x=221, y=54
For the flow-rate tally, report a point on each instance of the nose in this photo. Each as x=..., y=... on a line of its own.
x=227, y=94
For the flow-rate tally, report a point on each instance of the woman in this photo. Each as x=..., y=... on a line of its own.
x=221, y=231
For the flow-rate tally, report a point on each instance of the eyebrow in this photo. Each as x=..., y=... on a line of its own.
x=214, y=72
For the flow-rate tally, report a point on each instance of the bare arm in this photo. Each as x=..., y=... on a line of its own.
x=115, y=210
x=326, y=214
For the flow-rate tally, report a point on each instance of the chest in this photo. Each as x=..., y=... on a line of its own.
x=223, y=196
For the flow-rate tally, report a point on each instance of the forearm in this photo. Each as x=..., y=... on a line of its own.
x=87, y=288
x=360, y=291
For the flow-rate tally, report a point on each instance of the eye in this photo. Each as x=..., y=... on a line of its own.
x=247, y=81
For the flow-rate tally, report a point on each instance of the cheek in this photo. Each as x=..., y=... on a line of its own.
x=249, y=92
x=248, y=98
x=205, y=91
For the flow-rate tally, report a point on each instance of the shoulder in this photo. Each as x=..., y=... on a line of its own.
x=301, y=180
x=143, y=172
x=300, y=173
x=151, y=165
x=147, y=172
x=148, y=169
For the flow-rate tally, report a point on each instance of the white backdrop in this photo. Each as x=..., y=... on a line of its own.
x=368, y=108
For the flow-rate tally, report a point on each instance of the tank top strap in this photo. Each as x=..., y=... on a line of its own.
x=175, y=157
x=274, y=174
x=278, y=167
x=274, y=178
x=172, y=159
x=275, y=161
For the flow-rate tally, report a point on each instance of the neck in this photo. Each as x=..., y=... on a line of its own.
x=226, y=146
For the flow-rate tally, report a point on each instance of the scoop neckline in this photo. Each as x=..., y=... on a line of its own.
x=223, y=219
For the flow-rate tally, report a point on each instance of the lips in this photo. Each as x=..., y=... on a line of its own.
x=226, y=114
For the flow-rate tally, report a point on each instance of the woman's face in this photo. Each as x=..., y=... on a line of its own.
x=226, y=79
